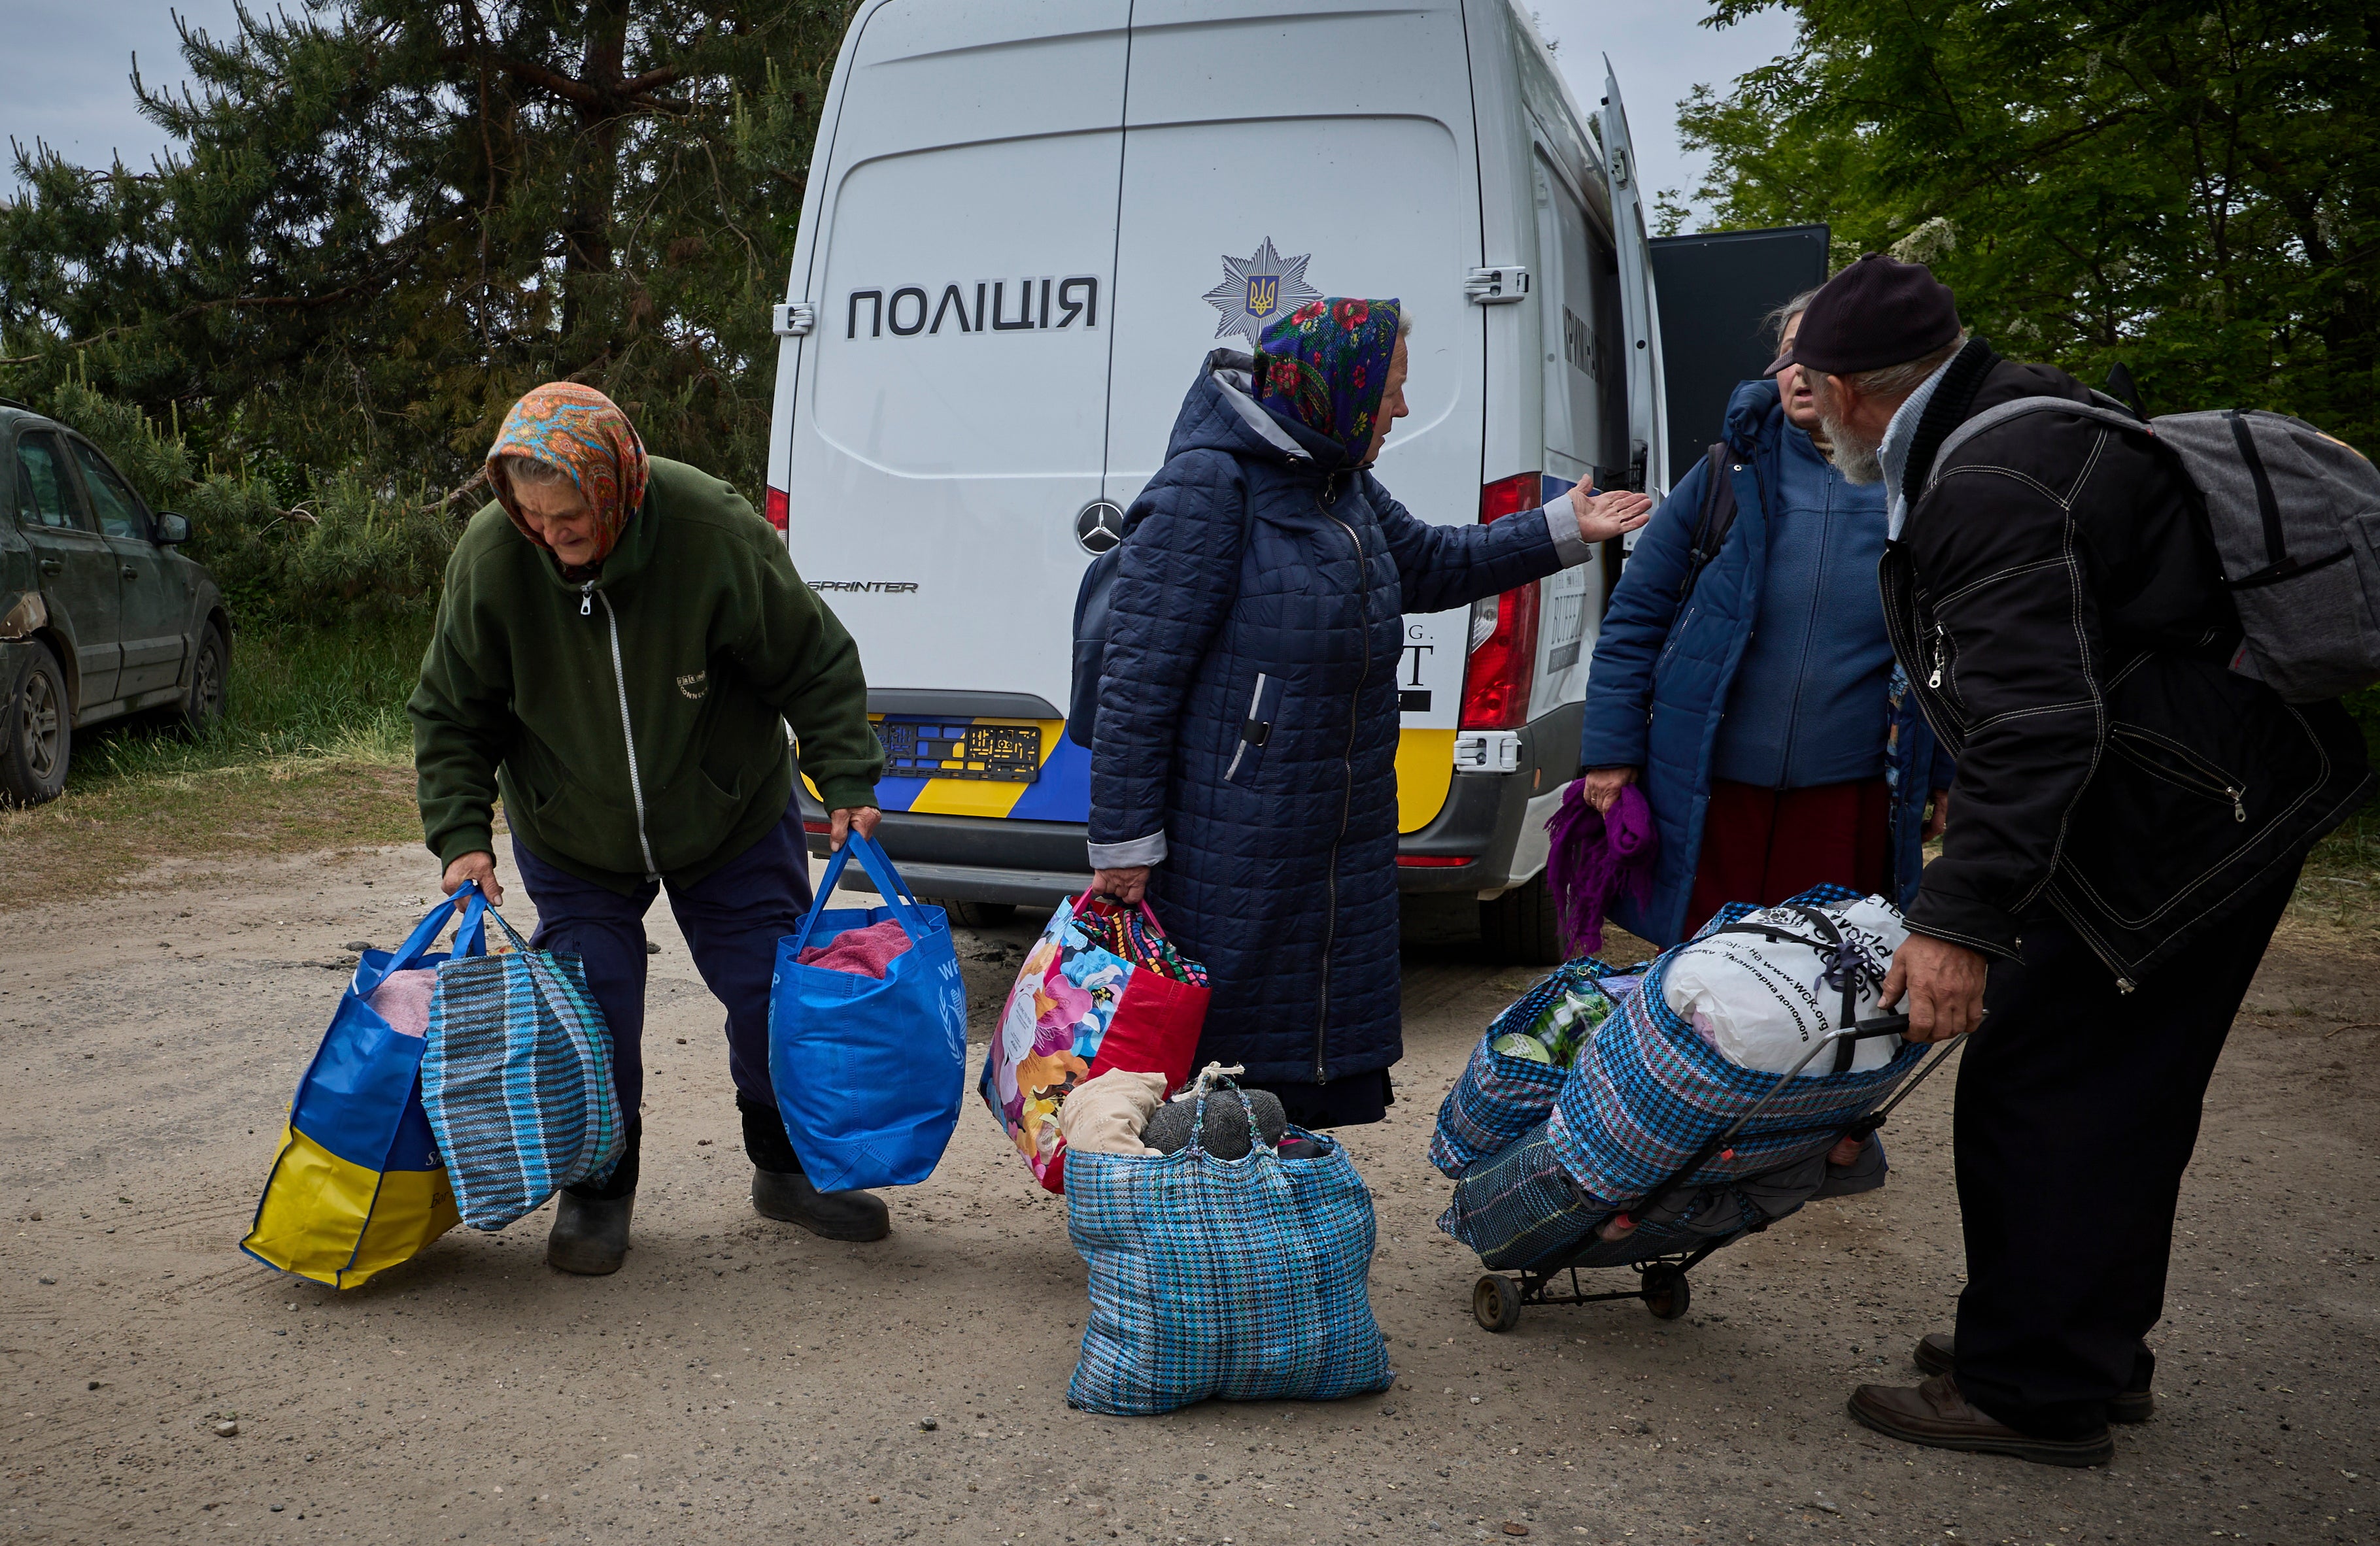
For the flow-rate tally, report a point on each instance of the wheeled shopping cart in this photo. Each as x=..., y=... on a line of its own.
x=1662, y=1255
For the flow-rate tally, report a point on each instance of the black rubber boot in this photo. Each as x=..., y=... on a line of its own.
x=780, y=1192
x=590, y=1221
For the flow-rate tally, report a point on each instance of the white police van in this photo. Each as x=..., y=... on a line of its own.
x=1025, y=227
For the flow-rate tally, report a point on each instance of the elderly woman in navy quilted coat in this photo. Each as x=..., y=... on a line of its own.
x=1243, y=766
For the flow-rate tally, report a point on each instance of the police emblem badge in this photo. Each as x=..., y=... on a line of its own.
x=1258, y=289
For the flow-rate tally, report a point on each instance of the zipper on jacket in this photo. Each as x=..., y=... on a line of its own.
x=627, y=730
x=2195, y=774
x=1255, y=700
x=1346, y=790
x=1941, y=643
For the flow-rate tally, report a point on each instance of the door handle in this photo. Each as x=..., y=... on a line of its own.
x=129, y=573
x=52, y=566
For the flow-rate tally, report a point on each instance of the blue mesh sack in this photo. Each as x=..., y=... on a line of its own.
x=516, y=1080
x=1500, y=1095
x=1243, y=1279
x=1648, y=1091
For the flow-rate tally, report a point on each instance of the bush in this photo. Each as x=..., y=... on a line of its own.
x=289, y=546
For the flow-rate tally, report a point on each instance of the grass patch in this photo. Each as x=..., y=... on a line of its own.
x=314, y=752
x=2337, y=897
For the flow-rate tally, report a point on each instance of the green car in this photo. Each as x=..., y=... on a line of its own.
x=99, y=615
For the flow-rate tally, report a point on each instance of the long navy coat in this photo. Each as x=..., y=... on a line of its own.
x=1248, y=724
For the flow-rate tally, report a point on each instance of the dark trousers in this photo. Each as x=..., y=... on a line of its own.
x=2078, y=1108
x=731, y=918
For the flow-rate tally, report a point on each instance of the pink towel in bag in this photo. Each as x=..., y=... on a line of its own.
x=864, y=952
x=403, y=1000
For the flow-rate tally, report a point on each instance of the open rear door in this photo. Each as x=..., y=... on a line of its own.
x=1648, y=443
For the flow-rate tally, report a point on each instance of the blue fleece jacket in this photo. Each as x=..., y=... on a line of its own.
x=1807, y=706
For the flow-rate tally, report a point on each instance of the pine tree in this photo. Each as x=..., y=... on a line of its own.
x=381, y=221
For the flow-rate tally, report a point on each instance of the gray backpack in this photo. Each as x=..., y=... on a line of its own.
x=2295, y=517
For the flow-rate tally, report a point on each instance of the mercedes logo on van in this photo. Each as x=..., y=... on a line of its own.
x=1100, y=526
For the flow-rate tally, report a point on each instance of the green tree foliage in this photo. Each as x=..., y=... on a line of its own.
x=2192, y=190
x=385, y=219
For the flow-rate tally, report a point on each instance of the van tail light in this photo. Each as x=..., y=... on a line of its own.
x=1501, y=663
x=777, y=508
x=1437, y=861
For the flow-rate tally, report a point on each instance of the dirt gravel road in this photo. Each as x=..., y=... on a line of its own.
x=743, y=1382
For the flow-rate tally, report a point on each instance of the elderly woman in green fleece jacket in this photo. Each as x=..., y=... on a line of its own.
x=621, y=646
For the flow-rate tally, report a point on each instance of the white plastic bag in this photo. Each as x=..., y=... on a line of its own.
x=1760, y=1003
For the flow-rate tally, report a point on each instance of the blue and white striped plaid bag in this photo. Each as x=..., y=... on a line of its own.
x=516, y=1080
x=1499, y=1096
x=1244, y=1279
x=1649, y=1091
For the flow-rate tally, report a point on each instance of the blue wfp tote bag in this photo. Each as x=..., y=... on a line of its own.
x=518, y=1080
x=869, y=1073
x=357, y=1185
x=1246, y=1279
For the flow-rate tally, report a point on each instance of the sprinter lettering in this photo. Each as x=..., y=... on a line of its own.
x=908, y=310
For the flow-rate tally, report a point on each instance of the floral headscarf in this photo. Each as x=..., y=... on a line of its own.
x=584, y=433
x=1324, y=366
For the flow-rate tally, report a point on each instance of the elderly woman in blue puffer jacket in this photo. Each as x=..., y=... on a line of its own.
x=1243, y=766
x=1756, y=700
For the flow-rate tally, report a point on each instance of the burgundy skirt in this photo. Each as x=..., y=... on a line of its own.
x=1763, y=845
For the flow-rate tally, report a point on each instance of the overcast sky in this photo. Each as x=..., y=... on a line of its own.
x=69, y=64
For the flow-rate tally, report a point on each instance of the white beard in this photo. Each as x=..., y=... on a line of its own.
x=1854, y=456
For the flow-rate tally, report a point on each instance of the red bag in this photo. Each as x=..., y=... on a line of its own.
x=1102, y=988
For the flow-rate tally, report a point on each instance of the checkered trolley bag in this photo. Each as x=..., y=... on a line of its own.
x=1242, y=1279
x=516, y=1080
x=1652, y=1122
x=1501, y=1095
x=1650, y=1093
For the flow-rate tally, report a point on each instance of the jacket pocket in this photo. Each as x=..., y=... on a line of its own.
x=1256, y=731
x=688, y=821
x=2163, y=757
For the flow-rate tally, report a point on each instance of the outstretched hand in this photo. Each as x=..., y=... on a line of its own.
x=1604, y=517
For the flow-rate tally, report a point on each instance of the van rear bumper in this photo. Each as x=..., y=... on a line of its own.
x=1040, y=864
x=1032, y=863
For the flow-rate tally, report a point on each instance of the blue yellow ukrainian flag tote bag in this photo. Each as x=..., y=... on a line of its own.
x=358, y=1186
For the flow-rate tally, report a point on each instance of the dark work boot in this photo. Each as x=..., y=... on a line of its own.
x=779, y=1190
x=590, y=1221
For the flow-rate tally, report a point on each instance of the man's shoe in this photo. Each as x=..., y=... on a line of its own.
x=838, y=1215
x=591, y=1235
x=1938, y=1354
x=1937, y=1416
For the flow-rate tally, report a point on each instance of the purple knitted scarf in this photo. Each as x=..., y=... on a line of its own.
x=1595, y=858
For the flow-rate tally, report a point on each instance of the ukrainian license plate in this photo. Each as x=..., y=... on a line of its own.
x=938, y=749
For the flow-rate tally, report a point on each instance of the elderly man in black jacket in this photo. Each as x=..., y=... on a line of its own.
x=2128, y=821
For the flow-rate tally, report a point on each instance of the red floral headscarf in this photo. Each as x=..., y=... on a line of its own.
x=1326, y=366
x=584, y=433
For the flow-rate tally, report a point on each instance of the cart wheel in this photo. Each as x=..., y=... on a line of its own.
x=1667, y=1293
x=1496, y=1302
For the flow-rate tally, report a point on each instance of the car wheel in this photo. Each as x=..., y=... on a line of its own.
x=210, y=677
x=39, y=723
x=1521, y=927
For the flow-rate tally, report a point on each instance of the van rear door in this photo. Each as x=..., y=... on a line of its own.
x=1277, y=152
x=948, y=420
x=1648, y=443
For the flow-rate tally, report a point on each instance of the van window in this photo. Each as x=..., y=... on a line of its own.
x=119, y=511
x=45, y=490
